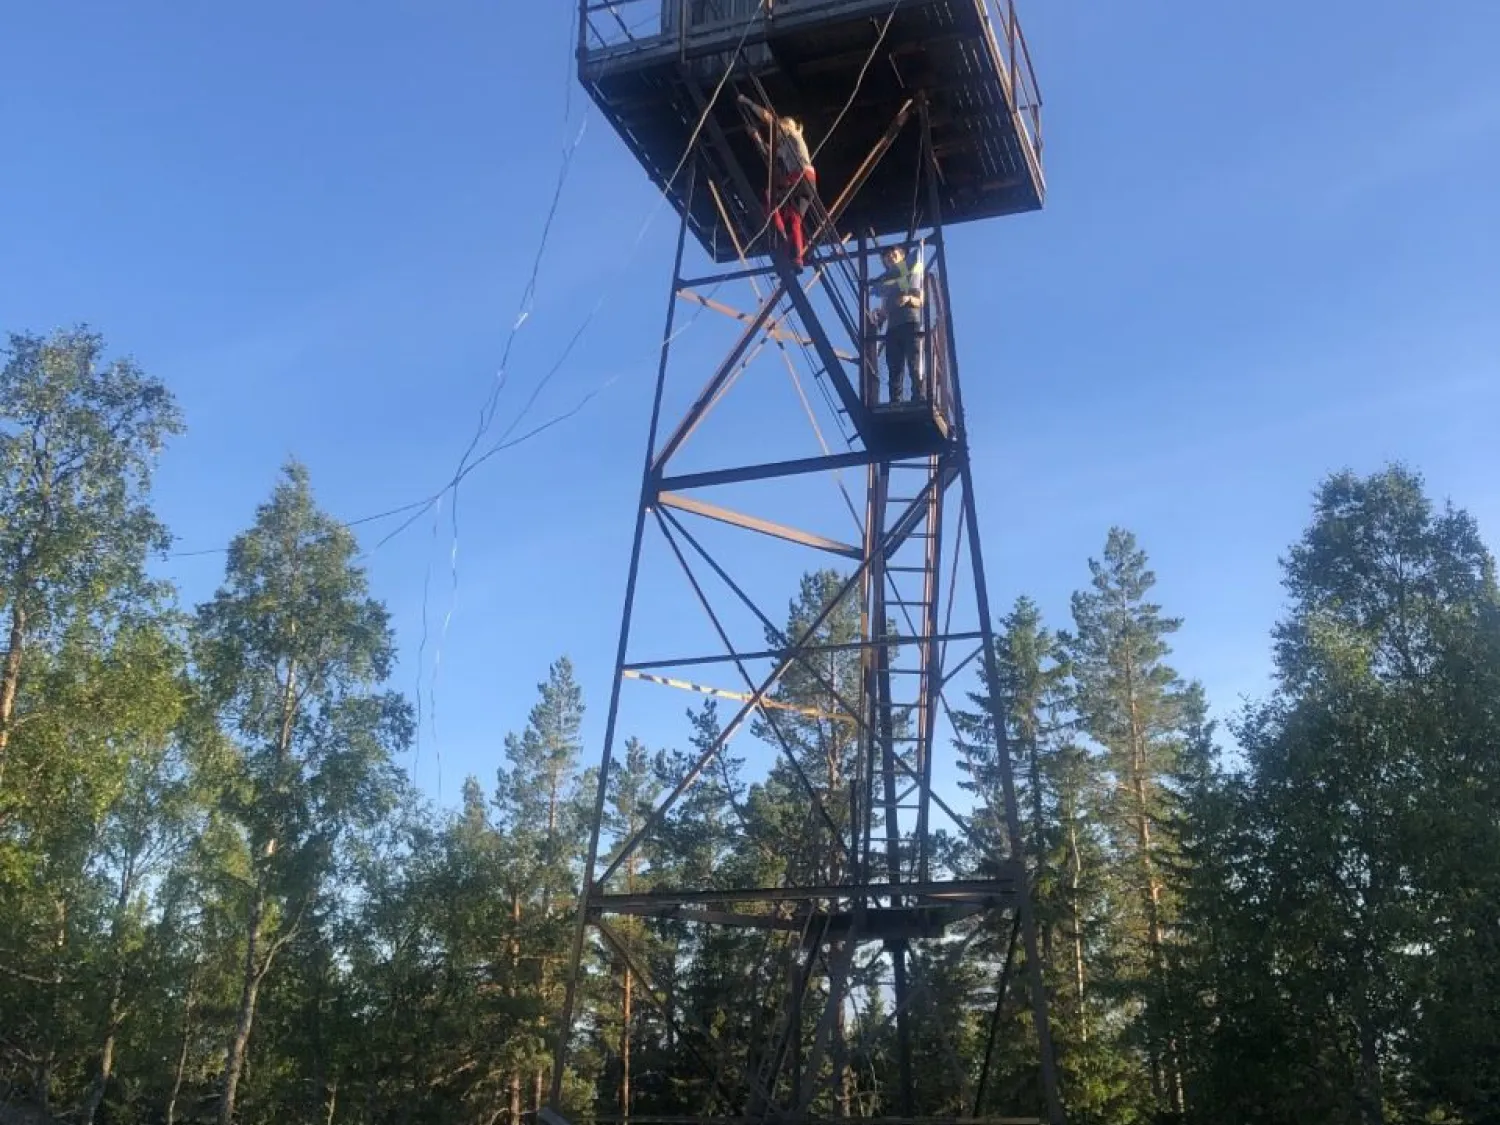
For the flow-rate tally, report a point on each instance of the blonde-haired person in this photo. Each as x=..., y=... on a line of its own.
x=794, y=181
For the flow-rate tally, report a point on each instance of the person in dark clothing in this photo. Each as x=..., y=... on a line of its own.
x=900, y=292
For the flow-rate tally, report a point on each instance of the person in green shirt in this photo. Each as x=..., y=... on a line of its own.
x=900, y=293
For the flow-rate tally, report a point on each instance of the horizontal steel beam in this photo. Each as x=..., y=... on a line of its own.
x=771, y=469
x=737, y=696
x=715, y=917
x=806, y=650
x=702, y=1119
x=755, y=523
x=721, y=278
x=888, y=924
x=966, y=890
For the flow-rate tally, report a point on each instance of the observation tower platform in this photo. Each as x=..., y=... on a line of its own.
x=653, y=65
x=867, y=886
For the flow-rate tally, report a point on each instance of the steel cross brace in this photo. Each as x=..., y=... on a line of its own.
x=801, y=655
x=729, y=731
x=808, y=650
x=769, y=714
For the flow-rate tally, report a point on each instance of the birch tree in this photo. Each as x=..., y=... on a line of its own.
x=292, y=652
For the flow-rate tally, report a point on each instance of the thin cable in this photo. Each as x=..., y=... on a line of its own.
x=687, y=152
x=500, y=447
x=593, y=312
x=426, y=504
x=839, y=118
x=465, y=467
x=528, y=295
x=661, y=202
x=491, y=406
x=421, y=651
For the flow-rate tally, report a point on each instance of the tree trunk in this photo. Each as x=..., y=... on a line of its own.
x=95, y=1097
x=47, y=1056
x=180, y=1071
x=1371, y=1106
x=1166, y=1053
x=1077, y=924
x=669, y=985
x=553, y=795
x=114, y=1013
x=1161, y=1081
x=1038, y=827
x=239, y=1041
x=625, y=1048
x=10, y=677
x=515, y=991
x=257, y=966
x=839, y=1053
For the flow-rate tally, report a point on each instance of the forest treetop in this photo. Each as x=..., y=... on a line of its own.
x=222, y=899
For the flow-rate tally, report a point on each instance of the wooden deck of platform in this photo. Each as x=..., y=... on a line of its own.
x=967, y=57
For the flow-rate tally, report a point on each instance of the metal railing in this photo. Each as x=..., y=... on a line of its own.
x=934, y=385
x=610, y=25
x=938, y=350
x=1009, y=43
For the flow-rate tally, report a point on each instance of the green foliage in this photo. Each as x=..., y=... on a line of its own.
x=219, y=898
x=1362, y=866
x=91, y=691
x=291, y=653
x=802, y=810
x=1134, y=707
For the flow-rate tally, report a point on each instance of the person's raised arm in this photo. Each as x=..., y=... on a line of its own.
x=767, y=118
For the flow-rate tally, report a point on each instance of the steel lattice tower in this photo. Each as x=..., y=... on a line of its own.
x=924, y=113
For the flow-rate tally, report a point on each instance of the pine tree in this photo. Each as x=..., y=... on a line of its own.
x=542, y=815
x=1060, y=787
x=1032, y=695
x=1131, y=704
x=799, y=816
x=633, y=790
x=701, y=842
x=1207, y=863
x=803, y=806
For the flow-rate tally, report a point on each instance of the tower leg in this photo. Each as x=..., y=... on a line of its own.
x=580, y=931
x=1025, y=905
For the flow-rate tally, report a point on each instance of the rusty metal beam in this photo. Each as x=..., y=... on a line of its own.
x=755, y=523
x=776, y=333
x=951, y=890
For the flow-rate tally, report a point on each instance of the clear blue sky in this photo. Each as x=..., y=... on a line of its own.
x=1270, y=251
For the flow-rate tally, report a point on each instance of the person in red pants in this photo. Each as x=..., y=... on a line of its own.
x=794, y=181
